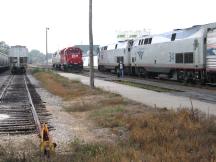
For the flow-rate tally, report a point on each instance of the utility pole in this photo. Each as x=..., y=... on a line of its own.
x=91, y=46
x=46, y=48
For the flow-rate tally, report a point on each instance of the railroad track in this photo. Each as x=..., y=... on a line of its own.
x=21, y=109
x=206, y=93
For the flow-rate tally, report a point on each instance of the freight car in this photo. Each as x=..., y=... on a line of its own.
x=68, y=59
x=18, y=57
x=182, y=54
x=4, y=63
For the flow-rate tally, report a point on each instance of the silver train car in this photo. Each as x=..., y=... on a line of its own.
x=110, y=56
x=18, y=57
x=183, y=54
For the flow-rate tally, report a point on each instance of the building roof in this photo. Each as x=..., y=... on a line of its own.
x=85, y=48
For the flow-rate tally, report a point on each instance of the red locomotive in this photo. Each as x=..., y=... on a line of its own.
x=68, y=59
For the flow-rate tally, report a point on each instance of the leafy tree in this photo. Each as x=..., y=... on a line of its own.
x=36, y=57
x=4, y=48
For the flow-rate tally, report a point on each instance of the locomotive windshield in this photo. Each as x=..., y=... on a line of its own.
x=122, y=44
x=73, y=51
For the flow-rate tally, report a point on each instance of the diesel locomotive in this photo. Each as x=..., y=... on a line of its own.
x=68, y=59
x=183, y=54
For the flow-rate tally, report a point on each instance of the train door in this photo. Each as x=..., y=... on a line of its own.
x=133, y=65
x=120, y=59
x=130, y=45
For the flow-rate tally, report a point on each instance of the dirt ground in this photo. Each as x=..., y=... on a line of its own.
x=68, y=126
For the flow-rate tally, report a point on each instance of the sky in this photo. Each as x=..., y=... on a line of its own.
x=24, y=22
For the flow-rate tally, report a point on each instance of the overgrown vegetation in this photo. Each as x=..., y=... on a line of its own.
x=144, y=134
x=60, y=86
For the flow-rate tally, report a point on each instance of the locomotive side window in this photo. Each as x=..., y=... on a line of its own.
x=146, y=41
x=188, y=57
x=139, y=42
x=179, y=57
x=173, y=37
x=150, y=40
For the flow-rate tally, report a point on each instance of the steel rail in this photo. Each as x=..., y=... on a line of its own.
x=5, y=88
x=34, y=113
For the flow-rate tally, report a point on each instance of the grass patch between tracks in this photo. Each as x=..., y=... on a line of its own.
x=60, y=86
x=143, y=134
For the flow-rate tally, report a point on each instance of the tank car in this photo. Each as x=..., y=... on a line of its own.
x=68, y=59
x=110, y=56
x=18, y=57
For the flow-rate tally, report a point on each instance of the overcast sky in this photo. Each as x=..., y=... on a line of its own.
x=23, y=22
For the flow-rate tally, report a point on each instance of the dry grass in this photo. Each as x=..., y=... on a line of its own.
x=63, y=87
x=28, y=151
x=173, y=136
x=93, y=102
x=149, y=135
x=164, y=136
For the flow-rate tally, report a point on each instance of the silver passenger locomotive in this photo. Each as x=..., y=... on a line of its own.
x=182, y=54
x=110, y=56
